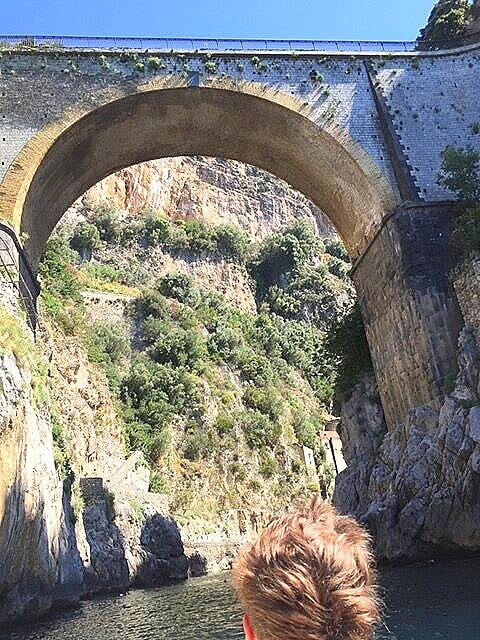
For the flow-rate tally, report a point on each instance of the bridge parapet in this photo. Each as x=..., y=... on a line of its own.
x=194, y=45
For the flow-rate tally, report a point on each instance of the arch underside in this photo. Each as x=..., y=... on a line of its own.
x=144, y=126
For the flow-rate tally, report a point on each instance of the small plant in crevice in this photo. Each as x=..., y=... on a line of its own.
x=210, y=66
x=103, y=62
x=316, y=77
x=258, y=64
x=155, y=63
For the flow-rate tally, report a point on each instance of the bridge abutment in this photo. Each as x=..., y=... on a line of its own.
x=410, y=309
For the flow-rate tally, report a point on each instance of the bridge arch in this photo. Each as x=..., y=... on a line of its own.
x=61, y=162
x=410, y=313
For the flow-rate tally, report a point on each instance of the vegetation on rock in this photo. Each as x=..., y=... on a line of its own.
x=460, y=172
x=446, y=25
x=197, y=380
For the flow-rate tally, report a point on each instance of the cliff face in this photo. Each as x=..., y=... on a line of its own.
x=40, y=566
x=76, y=511
x=210, y=189
x=416, y=487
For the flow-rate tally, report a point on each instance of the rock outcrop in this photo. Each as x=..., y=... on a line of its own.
x=40, y=566
x=210, y=189
x=416, y=487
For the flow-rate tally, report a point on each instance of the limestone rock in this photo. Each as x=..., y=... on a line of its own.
x=418, y=486
x=40, y=566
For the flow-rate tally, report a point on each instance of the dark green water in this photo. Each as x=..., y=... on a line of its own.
x=423, y=602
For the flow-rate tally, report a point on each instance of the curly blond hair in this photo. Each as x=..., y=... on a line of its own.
x=309, y=576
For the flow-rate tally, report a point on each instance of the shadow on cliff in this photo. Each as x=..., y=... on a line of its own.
x=40, y=567
x=164, y=560
x=105, y=563
x=124, y=552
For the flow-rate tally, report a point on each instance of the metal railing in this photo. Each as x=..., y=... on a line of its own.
x=207, y=44
x=17, y=275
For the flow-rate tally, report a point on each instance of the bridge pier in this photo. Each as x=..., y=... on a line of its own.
x=410, y=309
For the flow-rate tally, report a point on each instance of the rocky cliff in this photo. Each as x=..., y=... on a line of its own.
x=78, y=515
x=40, y=566
x=210, y=189
x=416, y=487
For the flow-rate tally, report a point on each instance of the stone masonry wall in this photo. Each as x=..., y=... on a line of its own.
x=432, y=98
x=409, y=308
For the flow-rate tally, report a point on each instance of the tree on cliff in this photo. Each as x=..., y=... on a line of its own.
x=460, y=173
x=446, y=25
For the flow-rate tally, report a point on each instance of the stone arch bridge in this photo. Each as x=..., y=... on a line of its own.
x=359, y=131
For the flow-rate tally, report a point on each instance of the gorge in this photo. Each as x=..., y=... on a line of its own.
x=205, y=350
x=108, y=517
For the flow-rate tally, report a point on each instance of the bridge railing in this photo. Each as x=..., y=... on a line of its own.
x=18, y=283
x=206, y=44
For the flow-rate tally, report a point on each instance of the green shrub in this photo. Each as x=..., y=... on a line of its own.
x=283, y=252
x=232, y=243
x=238, y=470
x=153, y=329
x=305, y=429
x=264, y=399
x=179, y=286
x=200, y=236
x=259, y=430
x=109, y=345
x=460, y=172
x=349, y=347
x=158, y=483
x=108, y=342
x=107, y=221
x=153, y=393
x=152, y=303
x=465, y=235
x=224, y=424
x=196, y=443
x=282, y=303
x=180, y=348
x=224, y=342
x=60, y=295
x=157, y=230
x=268, y=465
x=152, y=442
x=336, y=248
x=60, y=456
x=253, y=367
x=57, y=275
x=85, y=239
x=338, y=267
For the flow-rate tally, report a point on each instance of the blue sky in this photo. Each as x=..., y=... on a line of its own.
x=312, y=19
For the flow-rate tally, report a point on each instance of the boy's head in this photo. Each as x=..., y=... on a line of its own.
x=309, y=576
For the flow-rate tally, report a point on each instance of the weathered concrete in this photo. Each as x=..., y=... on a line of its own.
x=356, y=134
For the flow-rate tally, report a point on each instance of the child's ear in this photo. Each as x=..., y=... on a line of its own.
x=247, y=627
